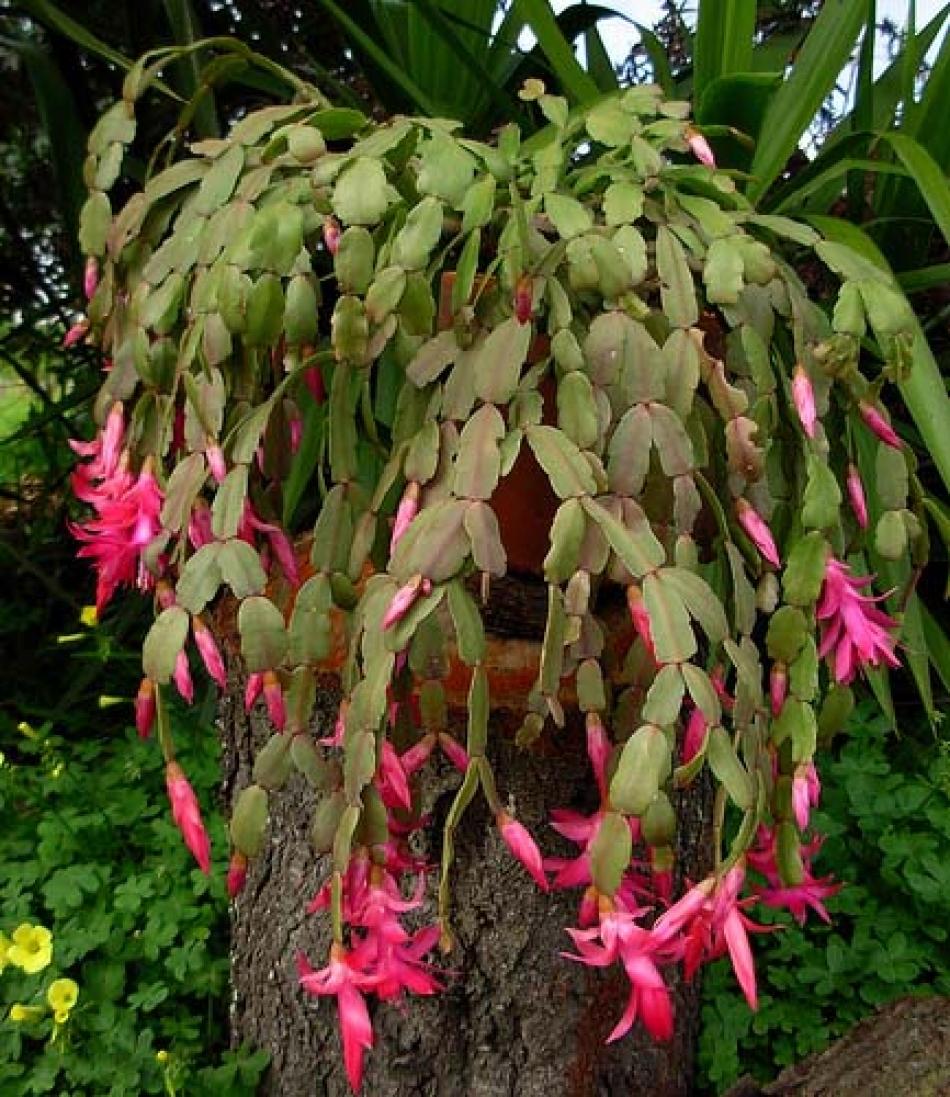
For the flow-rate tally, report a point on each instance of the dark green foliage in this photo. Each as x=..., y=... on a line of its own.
x=885, y=809
x=91, y=852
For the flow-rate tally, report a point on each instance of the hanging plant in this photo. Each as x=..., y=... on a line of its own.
x=287, y=426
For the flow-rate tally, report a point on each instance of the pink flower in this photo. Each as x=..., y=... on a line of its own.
x=237, y=874
x=404, y=598
x=618, y=937
x=699, y=147
x=407, y=510
x=127, y=515
x=797, y=899
x=187, y=815
x=881, y=427
x=90, y=278
x=778, y=687
x=518, y=839
x=208, y=650
x=649, y=998
x=854, y=629
x=708, y=922
x=856, y=496
x=343, y=978
x=145, y=707
x=728, y=919
x=803, y=396
x=740, y=953
x=758, y=532
x=682, y=912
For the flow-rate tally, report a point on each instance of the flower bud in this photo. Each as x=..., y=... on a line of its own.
x=699, y=147
x=877, y=423
x=524, y=303
x=187, y=815
x=237, y=874
x=274, y=700
x=331, y=234
x=216, y=462
x=75, y=334
x=856, y=496
x=758, y=532
x=778, y=687
x=145, y=708
x=518, y=839
x=407, y=510
x=208, y=650
x=90, y=279
x=253, y=689
x=803, y=396
x=182, y=677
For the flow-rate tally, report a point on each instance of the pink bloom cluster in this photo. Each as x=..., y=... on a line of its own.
x=127, y=510
x=383, y=956
x=854, y=631
x=707, y=922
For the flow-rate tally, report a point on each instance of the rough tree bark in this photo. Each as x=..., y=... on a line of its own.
x=515, y=1019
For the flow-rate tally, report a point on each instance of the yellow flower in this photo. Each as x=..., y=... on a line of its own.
x=32, y=948
x=162, y=1056
x=62, y=996
x=89, y=617
x=25, y=1014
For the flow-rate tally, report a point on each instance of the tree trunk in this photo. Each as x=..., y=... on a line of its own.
x=515, y=1019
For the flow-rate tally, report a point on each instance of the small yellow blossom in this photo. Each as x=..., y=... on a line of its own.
x=32, y=948
x=27, y=729
x=89, y=617
x=21, y=1014
x=62, y=996
x=161, y=1056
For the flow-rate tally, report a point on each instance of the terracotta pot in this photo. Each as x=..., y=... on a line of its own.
x=523, y=501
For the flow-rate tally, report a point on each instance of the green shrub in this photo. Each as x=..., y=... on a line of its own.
x=91, y=853
x=886, y=812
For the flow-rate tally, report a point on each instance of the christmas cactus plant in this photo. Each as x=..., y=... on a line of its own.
x=287, y=427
